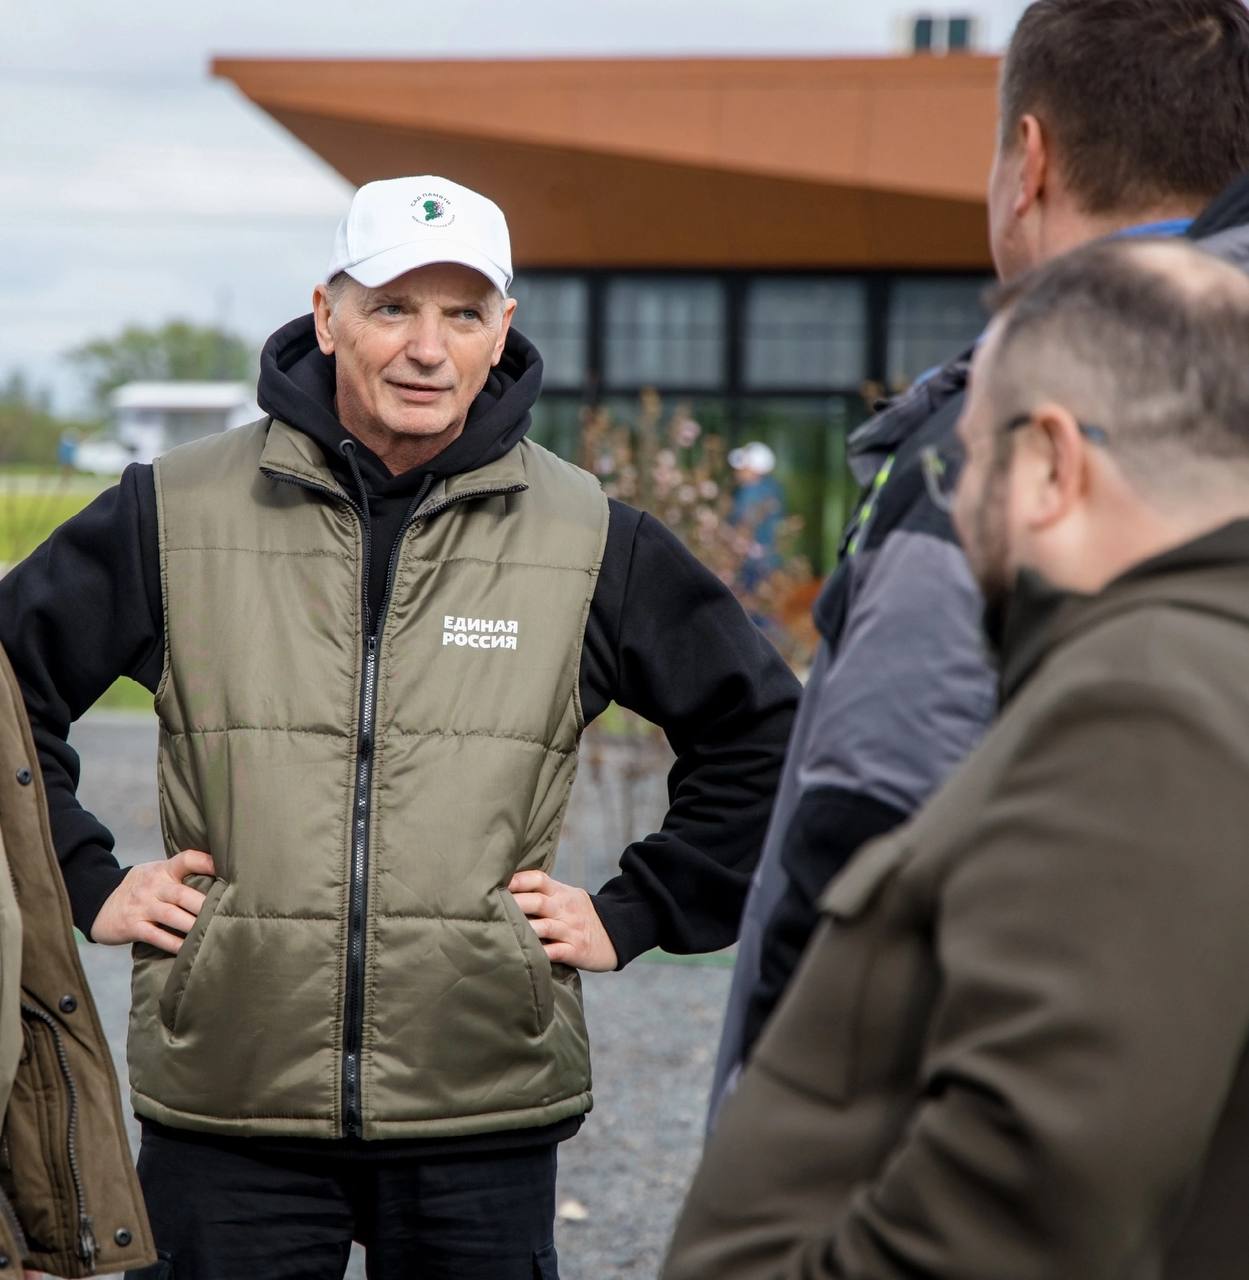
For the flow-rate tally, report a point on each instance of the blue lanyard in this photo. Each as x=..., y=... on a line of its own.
x=1171, y=227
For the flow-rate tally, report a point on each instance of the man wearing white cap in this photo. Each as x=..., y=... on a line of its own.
x=376, y=623
x=757, y=511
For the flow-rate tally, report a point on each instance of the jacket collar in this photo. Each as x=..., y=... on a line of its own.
x=292, y=455
x=1039, y=617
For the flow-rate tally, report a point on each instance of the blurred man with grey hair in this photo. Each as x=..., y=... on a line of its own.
x=1017, y=1044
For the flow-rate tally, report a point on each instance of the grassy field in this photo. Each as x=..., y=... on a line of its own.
x=33, y=503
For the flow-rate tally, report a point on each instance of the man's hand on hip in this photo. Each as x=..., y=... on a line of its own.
x=152, y=895
x=564, y=918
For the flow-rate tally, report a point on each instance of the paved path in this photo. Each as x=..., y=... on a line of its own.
x=653, y=1027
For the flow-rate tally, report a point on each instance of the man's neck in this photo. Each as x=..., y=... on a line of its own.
x=1074, y=228
x=1130, y=543
x=401, y=453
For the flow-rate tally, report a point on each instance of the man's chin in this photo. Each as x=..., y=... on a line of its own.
x=418, y=426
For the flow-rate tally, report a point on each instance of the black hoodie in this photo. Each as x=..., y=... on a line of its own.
x=664, y=638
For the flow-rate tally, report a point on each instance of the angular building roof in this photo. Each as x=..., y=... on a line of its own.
x=754, y=163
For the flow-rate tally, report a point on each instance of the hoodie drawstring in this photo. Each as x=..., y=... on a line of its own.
x=348, y=450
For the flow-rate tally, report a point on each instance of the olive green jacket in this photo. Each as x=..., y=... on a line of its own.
x=69, y=1199
x=359, y=966
x=1017, y=1047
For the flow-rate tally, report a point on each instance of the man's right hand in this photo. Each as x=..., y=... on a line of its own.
x=151, y=895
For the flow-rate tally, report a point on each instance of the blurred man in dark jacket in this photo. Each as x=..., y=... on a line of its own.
x=1118, y=117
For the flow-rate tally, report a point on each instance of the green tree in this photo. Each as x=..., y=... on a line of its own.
x=29, y=431
x=177, y=351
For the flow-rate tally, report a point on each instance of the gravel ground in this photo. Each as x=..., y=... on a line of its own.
x=653, y=1027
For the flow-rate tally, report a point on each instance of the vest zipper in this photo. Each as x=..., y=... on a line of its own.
x=353, y=1005
x=86, y=1241
x=353, y=1012
x=353, y=1002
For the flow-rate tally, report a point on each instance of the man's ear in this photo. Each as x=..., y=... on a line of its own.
x=1055, y=468
x=1034, y=165
x=322, y=308
x=509, y=310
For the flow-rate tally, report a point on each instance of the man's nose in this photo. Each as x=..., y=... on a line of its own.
x=425, y=344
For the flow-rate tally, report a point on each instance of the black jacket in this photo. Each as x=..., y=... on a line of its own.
x=664, y=638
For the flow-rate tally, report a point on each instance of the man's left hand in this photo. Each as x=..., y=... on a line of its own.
x=564, y=918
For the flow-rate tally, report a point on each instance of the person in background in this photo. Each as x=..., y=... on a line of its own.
x=757, y=513
x=1118, y=118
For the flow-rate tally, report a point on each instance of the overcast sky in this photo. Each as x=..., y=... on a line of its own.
x=134, y=188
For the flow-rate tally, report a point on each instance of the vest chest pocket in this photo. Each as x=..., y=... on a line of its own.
x=830, y=1008
x=533, y=957
x=180, y=971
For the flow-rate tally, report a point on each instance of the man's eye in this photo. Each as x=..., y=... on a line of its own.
x=470, y=314
x=390, y=309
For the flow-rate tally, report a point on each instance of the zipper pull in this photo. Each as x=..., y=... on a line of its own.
x=87, y=1246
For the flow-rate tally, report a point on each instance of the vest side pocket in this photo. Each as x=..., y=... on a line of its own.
x=533, y=957
x=180, y=971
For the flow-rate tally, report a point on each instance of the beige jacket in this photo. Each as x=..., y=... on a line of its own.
x=70, y=1202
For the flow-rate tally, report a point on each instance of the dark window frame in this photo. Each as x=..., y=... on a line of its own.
x=878, y=301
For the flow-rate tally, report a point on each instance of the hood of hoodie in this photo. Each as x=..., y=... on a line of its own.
x=297, y=385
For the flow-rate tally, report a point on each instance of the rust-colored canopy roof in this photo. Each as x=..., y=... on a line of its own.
x=796, y=162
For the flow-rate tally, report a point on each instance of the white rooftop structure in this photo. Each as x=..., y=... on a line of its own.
x=150, y=418
x=175, y=396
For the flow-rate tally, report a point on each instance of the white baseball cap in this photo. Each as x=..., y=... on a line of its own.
x=753, y=457
x=399, y=224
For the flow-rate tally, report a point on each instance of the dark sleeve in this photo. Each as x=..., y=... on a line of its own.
x=905, y=698
x=828, y=827
x=80, y=611
x=667, y=639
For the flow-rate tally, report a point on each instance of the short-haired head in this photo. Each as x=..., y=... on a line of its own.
x=1113, y=113
x=1146, y=100
x=1146, y=339
x=1107, y=417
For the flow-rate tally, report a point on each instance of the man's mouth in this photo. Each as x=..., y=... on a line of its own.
x=418, y=392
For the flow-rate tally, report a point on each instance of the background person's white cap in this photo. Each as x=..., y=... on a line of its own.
x=753, y=457
x=399, y=224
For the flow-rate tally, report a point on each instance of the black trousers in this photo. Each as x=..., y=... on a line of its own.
x=224, y=1212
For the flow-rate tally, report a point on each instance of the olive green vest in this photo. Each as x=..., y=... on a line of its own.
x=462, y=1024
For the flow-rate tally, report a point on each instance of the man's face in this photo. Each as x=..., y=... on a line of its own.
x=412, y=355
x=982, y=501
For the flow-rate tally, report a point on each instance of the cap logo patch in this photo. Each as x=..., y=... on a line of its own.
x=433, y=210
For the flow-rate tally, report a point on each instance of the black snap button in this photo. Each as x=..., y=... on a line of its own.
x=68, y=1004
x=24, y=776
x=122, y=1236
x=4, y=1260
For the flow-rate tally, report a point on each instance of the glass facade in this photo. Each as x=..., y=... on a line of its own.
x=806, y=333
x=931, y=320
x=551, y=312
x=665, y=332
x=791, y=359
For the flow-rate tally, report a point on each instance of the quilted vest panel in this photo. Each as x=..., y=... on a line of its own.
x=464, y=1025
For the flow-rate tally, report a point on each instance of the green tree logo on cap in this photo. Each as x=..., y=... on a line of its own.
x=433, y=210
